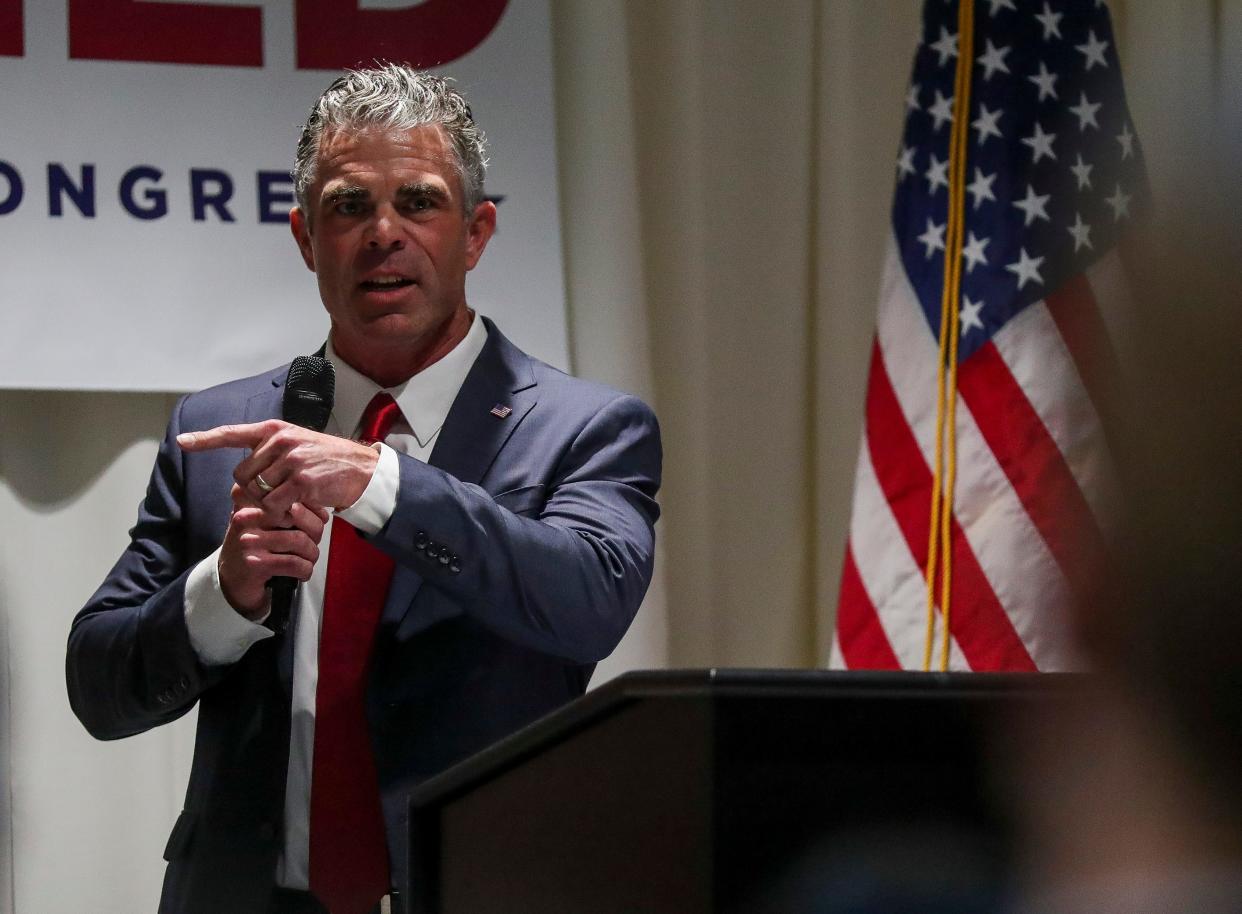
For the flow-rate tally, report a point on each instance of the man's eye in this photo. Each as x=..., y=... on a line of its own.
x=418, y=204
x=349, y=207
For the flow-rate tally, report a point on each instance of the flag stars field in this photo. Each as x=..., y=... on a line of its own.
x=1044, y=104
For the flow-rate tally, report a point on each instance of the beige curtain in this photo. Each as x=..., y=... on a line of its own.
x=736, y=172
x=726, y=178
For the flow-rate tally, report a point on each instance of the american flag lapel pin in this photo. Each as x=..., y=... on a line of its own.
x=501, y=411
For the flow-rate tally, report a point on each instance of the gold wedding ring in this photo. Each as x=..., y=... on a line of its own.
x=262, y=483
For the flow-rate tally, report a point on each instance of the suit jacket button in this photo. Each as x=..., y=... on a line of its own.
x=445, y=557
x=433, y=550
x=455, y=565
x=421, y=540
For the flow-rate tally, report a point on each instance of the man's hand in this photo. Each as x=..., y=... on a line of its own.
x=300, y=466
x=254, y=552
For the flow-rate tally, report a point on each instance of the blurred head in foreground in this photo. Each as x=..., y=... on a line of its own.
x=1134, y=795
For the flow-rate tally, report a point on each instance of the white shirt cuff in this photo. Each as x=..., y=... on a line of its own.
x=219, y=634
x=379, y=499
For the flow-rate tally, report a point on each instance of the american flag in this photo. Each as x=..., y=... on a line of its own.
x=1052, y=176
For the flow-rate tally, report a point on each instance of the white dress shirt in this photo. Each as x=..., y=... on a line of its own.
x=221, y=635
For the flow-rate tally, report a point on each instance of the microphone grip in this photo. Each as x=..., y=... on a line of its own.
x=282, y=588
x=310, y=390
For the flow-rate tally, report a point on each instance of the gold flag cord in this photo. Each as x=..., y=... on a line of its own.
x=944, y=470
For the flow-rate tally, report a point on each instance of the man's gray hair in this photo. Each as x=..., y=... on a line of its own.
x=393, y=97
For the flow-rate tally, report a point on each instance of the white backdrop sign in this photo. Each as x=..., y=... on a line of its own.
x=144, y=188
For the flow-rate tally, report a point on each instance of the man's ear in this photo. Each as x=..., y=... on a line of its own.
x=479, y=232
x=300, y=226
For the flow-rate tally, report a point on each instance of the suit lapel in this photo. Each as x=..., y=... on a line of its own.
x=473, y=435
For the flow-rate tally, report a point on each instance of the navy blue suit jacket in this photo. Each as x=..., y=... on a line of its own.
x=549, y=512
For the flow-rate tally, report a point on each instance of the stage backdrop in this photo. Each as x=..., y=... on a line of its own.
x=144, y=187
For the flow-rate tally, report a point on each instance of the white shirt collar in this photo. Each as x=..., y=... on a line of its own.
x=425, y=399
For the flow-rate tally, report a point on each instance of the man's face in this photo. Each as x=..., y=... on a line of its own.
x=387, y=237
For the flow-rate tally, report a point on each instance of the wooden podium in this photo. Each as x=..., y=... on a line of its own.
x=730, y=791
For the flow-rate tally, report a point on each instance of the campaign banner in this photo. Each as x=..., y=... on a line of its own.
x=145, y=151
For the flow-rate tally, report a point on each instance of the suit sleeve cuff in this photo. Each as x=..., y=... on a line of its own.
x=379, y=499
x=218, y=633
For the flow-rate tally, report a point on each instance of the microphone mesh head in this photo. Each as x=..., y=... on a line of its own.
x=310, y=389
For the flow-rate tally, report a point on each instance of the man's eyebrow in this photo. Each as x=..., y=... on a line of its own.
x=422, y=189
x=345, y=192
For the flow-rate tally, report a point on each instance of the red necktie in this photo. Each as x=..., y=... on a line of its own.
x=348, y=850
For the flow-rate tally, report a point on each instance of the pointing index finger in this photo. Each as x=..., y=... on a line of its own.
x=250, y=436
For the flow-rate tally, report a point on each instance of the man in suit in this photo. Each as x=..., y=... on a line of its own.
x=492, y=538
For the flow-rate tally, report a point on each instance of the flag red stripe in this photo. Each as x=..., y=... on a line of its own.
x=977, y=620
x=1076, y=313
x=864, y=645
x=1036, y=468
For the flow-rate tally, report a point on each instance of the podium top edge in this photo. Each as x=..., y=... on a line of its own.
x=723, y=683
x=717, y=678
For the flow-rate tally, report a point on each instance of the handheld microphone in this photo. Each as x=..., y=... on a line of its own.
x=310, y=389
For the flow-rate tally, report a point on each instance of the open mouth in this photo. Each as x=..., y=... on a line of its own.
x=385, y=285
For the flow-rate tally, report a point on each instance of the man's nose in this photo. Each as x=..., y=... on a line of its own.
x=385, y=230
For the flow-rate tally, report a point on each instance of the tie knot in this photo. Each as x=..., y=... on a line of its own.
x=378, y=418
